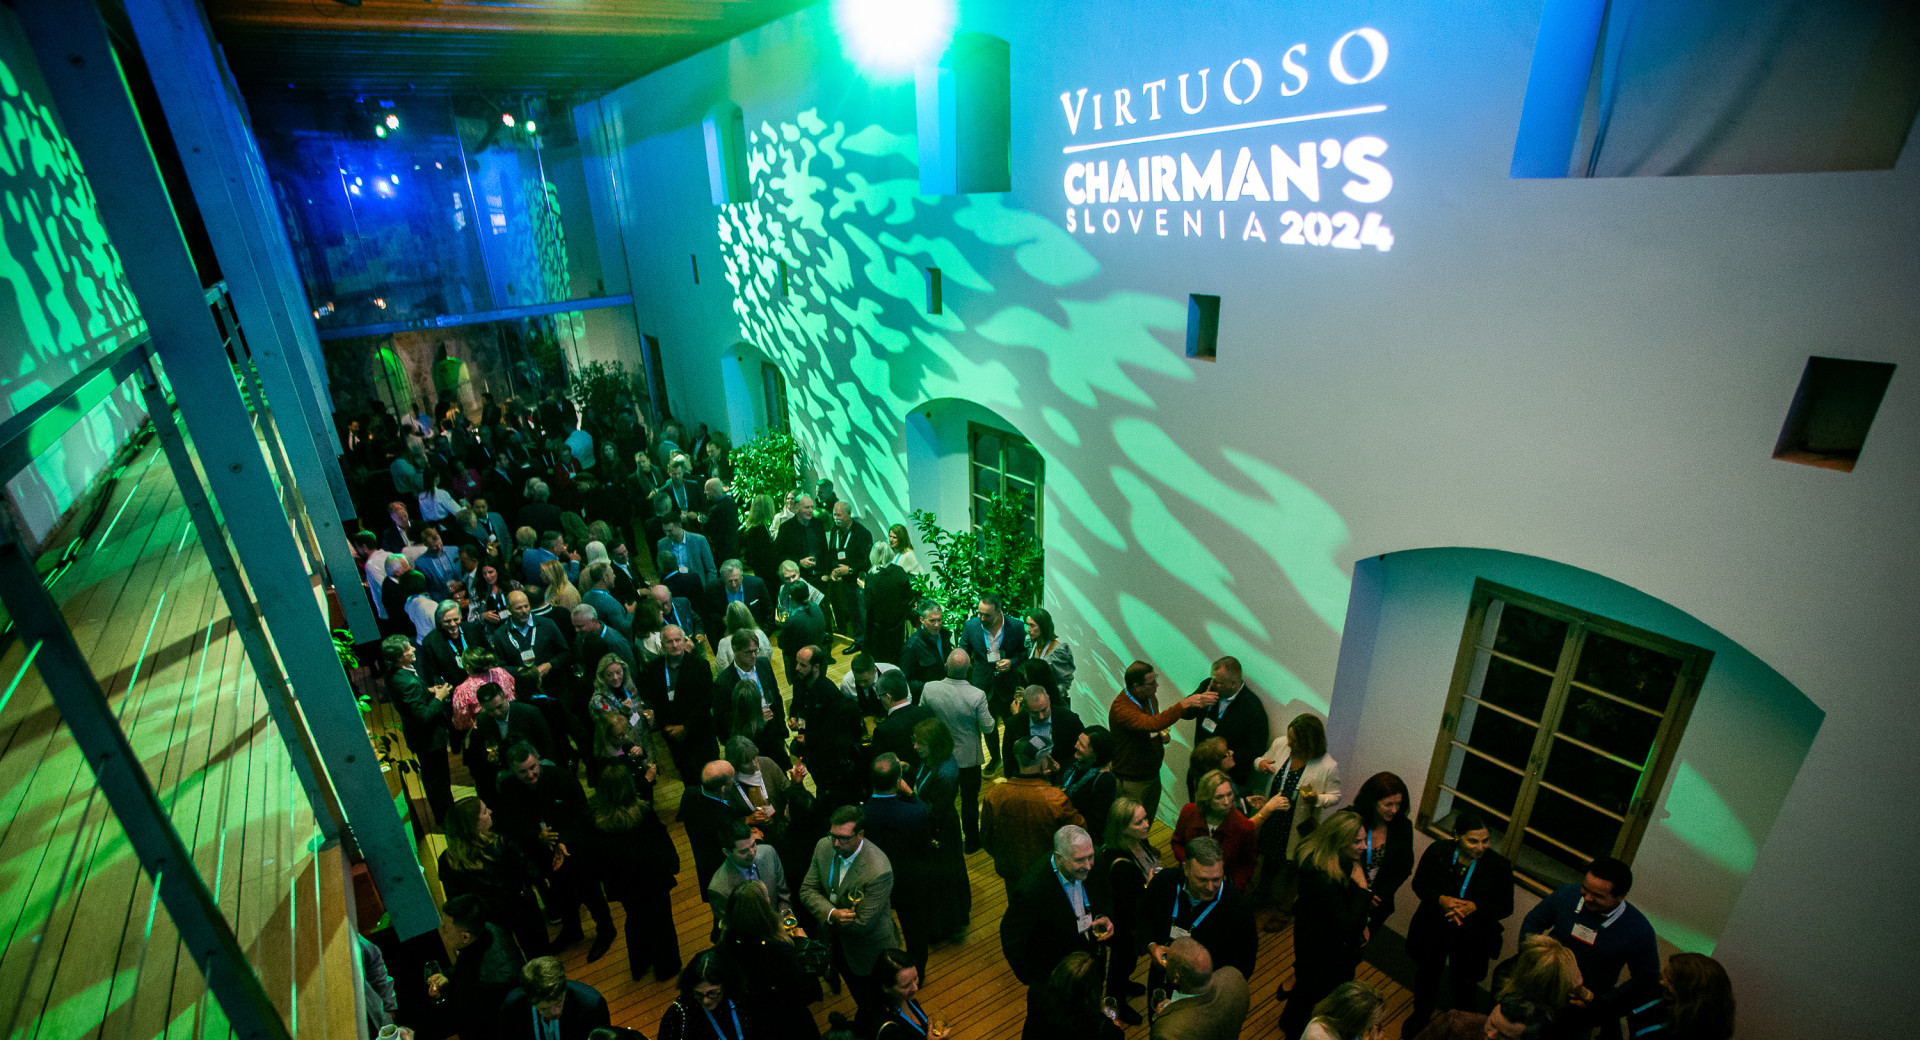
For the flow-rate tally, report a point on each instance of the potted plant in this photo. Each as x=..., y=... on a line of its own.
x=766, y=465
x=999, y=556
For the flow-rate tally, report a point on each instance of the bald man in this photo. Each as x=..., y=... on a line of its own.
x=706, y=813
x=524, y=639
x=1204, y=1003
x=963, y=707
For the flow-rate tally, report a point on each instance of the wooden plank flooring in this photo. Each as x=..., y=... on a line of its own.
x=86, y=950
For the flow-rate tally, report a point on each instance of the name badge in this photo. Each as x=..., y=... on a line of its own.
x=1178, y=933
x=1208, y=724
x=526, y=656
x=993, y=657
x=1083, y=922
x=1585, y=934
x=684, y=570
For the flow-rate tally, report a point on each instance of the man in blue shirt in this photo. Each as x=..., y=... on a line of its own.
x=1592, y=918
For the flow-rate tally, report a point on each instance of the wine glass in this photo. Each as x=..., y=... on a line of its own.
x=1110, y=1008
x=940, y=1029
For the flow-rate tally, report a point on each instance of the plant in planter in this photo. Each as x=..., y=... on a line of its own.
x=999, y=556
x=766, y=465
x=603, y=390
x=350, y=662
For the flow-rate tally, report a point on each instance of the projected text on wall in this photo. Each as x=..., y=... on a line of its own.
x=1291, y=173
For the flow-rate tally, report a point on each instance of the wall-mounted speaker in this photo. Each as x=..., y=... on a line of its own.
x=963, y=115
x=1203, y=326
x=726, y=132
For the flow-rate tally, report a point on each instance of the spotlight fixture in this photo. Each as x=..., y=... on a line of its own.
x=393, y=121
x=531, y=127
x=379, y=131
x=506, y=118
x=887, y=38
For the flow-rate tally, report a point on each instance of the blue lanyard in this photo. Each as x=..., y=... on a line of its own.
x=1468, y=880
x=717, y=1031
x=913, y=1006
x=1203, y=914
x=1369, y=847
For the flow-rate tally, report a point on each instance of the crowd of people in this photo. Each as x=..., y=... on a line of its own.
x=830, y=823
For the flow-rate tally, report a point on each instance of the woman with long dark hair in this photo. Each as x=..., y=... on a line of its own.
x=1330, y=917
x=1297, y=779
x=711, y=1005
x=492, y=867
x=630, y=852
x=1067, y=1004
x=1381, y=805
x=937, y=783
x=900, y=1015
x=1048, y=648
x=1695, y=1003
x=760, y=947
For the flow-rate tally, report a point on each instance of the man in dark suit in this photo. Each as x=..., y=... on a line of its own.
x=804, y=541
x=1059, y=906
x=805, y=626
x=722, y=521
x=523, y=640
x=924, y=658
x=1199, y=901
x=676, y=608
x=541, y=806
x=706, y=813
x=548, y=1007
x=997, y=644
x=627, y=579
x=895, y=732
x=679, y=689
x=829, y=726
x=425, y=714
x=451, y=637
x=735, y=586
x=500, y=725
x=750, y=668
x=1239, y=716
x=902, y=826
x=889, y=599
x=486, y=968
x=849, y=545
x=1058, y=730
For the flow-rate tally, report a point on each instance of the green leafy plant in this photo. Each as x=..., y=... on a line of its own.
x=999, y=556
x=766, y=465
x=603, y=389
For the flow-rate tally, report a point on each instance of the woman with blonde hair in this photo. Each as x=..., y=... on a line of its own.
x=1130, y=861
x=756, y=538
x=1544, y=973
x=1353, y=1011
x=739, y=618
x=560, y=591
x=1330, y=916
x=481, y=863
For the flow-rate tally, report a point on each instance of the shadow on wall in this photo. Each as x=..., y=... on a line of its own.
x=1748, y=734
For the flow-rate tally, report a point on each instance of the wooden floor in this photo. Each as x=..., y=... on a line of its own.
x=86, y=950
x=968, y=981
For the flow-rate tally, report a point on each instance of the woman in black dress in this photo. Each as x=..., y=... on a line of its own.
x=493, y=867
x=712, y=1005
x=900, y=1016
x=630, y=851
x=1090, y=782
x=1130, y=861
x=937, y=783
x=756, y=541
x=760, y=948
x=1330, y=916
x=1381, y=805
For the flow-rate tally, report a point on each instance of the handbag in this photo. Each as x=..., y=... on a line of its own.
x=815, y=955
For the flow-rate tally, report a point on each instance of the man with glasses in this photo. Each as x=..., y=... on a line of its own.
x=849, y=887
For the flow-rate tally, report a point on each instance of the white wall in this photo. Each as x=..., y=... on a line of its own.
x=1588, y=372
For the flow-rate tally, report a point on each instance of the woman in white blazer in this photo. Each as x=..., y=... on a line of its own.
x=1296, y=779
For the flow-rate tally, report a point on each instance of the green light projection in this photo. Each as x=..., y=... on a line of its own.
x=67, y=300
x=1156, y=548
x=1702, y=819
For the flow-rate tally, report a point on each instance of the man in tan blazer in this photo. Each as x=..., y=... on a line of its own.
x=849, y=888
x=1206, y=1004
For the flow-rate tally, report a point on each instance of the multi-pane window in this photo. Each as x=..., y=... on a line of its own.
x=1001, y=461
x=773, y=387
x=1559, y=730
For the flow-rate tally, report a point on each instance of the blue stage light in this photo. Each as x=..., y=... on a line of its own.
x=887, y=38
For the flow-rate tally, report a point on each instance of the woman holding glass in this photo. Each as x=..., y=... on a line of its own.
x=900, y=1016
x=1130, y=862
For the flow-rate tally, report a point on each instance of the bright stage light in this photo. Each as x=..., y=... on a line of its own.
x=889, y=37
x=506, y=118
x=393, y=122
x=379, y=131
x=531, y=127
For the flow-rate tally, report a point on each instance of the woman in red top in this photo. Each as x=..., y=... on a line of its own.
x=1213, y=815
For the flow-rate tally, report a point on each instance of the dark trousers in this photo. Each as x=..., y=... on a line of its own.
x=1120, y=962
x=864, y=989
x=652, y=940
x=910, y=899
x=572, y=885
x=970, y=804
x=849, y=613
x=436, y=775
x=1463, y=980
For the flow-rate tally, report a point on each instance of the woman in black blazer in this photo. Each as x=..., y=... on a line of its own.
x=1130, y=862
x=1329, y=917
x=1466, y=891
x=1381, y=805
x=631, y=853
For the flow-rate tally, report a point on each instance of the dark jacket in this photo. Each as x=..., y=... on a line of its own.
x=524, y=722
x=439, y=658
x=1039, y=929
x=889, y=603
x=805, y=627
x=1489, y=887
x=483, y=975
x=723, y=527
x=924, y=658
x=556, y=800
x=423, y=717
x=848, y=549
x=1329, y=919
x=1067, y=728
x=903, y=828
x=688, y=702
x=895, y=733
x=634, y=859
x=704, y=817
x=584, y=1011
x=1244, y=725
x=1013, y=647
x=1392, y=868
x=1227, y=931
x=547, y=645
x=798, y=541
x=713, y=603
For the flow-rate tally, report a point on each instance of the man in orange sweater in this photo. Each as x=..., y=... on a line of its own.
x=1018, y=818
x=1140, y=733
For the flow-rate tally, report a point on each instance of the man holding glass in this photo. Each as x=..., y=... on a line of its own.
x=849, y=888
